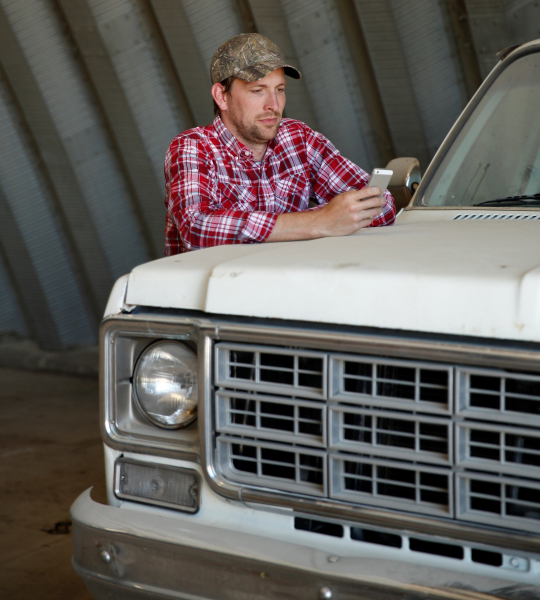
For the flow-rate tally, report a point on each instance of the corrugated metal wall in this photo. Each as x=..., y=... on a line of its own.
x=92, y=92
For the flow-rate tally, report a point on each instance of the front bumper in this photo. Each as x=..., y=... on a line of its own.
x=132, y=554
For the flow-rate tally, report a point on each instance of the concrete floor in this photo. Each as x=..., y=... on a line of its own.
x=50, y=451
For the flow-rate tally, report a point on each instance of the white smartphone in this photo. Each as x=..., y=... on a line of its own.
x=380, y=178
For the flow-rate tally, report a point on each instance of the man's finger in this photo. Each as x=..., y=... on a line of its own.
x=371, y=202
x=372, y=191
x=366, y=215
x=362, y=194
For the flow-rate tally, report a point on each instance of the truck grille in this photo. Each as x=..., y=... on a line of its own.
x=422, y=437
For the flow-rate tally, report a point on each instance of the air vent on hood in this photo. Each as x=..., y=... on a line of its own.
x=496, y=216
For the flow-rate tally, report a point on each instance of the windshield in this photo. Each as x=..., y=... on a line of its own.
x=497, y=153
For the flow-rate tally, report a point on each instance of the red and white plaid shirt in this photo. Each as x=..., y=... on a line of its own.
x=218, y=194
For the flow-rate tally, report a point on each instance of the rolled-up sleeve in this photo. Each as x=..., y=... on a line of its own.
x=195, y=216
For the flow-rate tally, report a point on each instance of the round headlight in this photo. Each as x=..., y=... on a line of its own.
x=165, y=384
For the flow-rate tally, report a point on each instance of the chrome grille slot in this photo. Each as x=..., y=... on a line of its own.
x=510, y=450
x=500, y=396
x=391, y=484
x=392, y=434
x=283, y=467
x=425, y=437
x=271, y=417
x=391, y=383
x=268, y=369
x=504, y=501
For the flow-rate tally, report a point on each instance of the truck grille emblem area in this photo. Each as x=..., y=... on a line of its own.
x=423, y=437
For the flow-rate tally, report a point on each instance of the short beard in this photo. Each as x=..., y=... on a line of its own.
x=255, y=133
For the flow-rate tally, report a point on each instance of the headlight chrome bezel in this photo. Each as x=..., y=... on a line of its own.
x=123, y=339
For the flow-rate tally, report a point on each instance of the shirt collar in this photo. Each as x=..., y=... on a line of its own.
x=229, y=141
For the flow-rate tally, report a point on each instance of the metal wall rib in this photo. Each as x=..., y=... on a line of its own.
x=64, y=188
x=420, y=25
x=28, y=216
x=12, y=321
x=92, y=92
x=100, y=66
x=395, y=85
x=496, y=25
x=23, y=287
x=330, y=79
x=191, y=71
x=127, y=39
x=42, y=39
x=212, y=22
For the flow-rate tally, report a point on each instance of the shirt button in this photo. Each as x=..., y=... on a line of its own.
x=247, y=152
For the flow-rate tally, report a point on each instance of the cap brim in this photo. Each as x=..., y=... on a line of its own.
x=261, y=70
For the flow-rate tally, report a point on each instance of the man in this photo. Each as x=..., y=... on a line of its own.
x=250, y=176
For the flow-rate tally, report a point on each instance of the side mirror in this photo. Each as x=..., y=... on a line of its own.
x=405, y=180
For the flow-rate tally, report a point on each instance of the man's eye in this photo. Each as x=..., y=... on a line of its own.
x=257, y=91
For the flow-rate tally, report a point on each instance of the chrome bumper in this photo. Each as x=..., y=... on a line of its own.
x=128, y=555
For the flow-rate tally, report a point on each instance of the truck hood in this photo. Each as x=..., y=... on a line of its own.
x=478, y=277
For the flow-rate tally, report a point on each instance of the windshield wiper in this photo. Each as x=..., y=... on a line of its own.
x=526, y=200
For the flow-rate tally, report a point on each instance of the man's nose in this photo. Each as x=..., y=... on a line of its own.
x=272, y=101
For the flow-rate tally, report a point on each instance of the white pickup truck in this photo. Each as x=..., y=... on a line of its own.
x=343, y=418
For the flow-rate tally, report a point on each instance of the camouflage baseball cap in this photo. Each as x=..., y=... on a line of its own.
x=248, y=56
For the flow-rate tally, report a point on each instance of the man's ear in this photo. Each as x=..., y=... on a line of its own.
x=219, y=95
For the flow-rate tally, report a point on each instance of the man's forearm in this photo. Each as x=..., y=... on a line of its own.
x=294, y=226
x=345, y=214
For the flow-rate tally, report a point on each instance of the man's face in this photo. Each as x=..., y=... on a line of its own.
x=254, y=110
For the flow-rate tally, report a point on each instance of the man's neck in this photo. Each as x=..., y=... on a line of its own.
x=258, y=151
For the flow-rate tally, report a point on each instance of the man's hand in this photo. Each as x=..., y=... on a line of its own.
x=346, y=213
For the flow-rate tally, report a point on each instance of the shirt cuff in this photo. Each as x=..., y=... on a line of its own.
x=258, y=227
